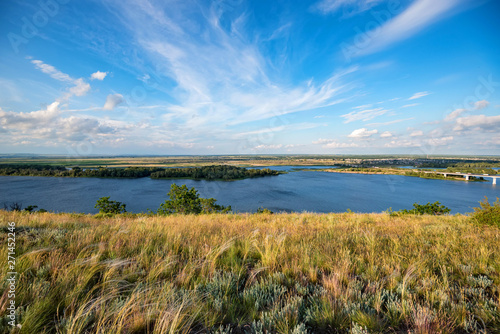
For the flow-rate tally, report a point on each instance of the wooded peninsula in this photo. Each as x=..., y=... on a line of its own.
x=221, y=172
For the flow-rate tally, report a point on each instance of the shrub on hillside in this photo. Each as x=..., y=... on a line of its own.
x=187, y=201
x=109, y=207
x=487, y=214
x=435, y=208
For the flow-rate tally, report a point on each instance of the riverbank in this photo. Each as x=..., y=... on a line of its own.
x=402, y=172
x=307, y=273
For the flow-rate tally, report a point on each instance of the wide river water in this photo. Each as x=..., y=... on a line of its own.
x=311, y=191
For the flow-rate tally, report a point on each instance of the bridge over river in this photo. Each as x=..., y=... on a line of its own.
x=468, y=175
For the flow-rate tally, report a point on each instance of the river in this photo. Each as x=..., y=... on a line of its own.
x=311, y=191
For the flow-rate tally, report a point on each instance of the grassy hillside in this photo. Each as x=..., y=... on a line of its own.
x=276, y=273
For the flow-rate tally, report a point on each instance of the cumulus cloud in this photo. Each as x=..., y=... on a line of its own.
x=112, y=101
x=481, y=104
x=363, y=115
x=440, y=141
x=336, y=144
x=418, y=95
x=80, y=89
x=478, y=122
x=98, y=75
x=268, y=147
x=30, y=120
x=417, y=133
x=454, y=114
x=386, y=134
x=332, y=143
x=49, y=124
x=362, y=133
x=403, y=143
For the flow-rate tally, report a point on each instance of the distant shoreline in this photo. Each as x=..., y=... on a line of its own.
x=401, y=173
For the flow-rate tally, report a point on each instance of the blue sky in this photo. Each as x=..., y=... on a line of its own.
x=250, y=77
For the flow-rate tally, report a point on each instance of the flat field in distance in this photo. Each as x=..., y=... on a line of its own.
x=248, y=160
x=253, y=273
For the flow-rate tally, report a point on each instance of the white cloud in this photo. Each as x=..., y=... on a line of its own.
x=419, y=15
x=112, y=101
x=363, y=115
x=80, y=87
x=410, y=105
x=222, y=77
x=52, y=71
x=391, y=122
x=418, y=95
x=362, y=133
x=478, y=105
x=417, y=133
x=335, y=144
x=481, y=104
x=49, y=125
x=268, y=147
x=350, y=7
x=478, y=122
x=386, y=134
x=98, y=75
x=332, y=143
x=454, y=114
x=403, y=143
x=30, y=120
x=441, y=141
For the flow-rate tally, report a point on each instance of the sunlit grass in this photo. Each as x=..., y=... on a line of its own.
x=261, y=273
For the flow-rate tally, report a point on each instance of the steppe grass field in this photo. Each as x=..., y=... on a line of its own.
x=252, y=273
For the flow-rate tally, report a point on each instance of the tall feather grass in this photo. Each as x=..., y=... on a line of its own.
x=243, y=273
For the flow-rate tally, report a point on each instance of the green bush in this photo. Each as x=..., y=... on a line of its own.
x=487, y=214
x=427, y=209
x=187, y=201
x=264, y=210
x=109, y=207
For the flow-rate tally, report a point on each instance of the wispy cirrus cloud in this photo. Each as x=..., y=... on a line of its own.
x=222, y=78
x=410, y=105
x=80, y=87
x=363, y=115
x=417, y=96
x=391, y=122
x=419, y=15
x=349, y=7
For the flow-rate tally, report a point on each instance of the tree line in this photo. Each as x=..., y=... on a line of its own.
x=221, y=172
x=208, y=172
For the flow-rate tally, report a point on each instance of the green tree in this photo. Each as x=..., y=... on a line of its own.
x=208, y=205
x=31, y=208
x=106, y=206
x=187, y=201
x=487, y=214
x=426, y=209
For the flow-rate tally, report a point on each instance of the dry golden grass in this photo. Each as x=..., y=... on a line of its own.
x=260, y=273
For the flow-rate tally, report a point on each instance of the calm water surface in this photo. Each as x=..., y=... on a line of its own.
x=311, y=191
